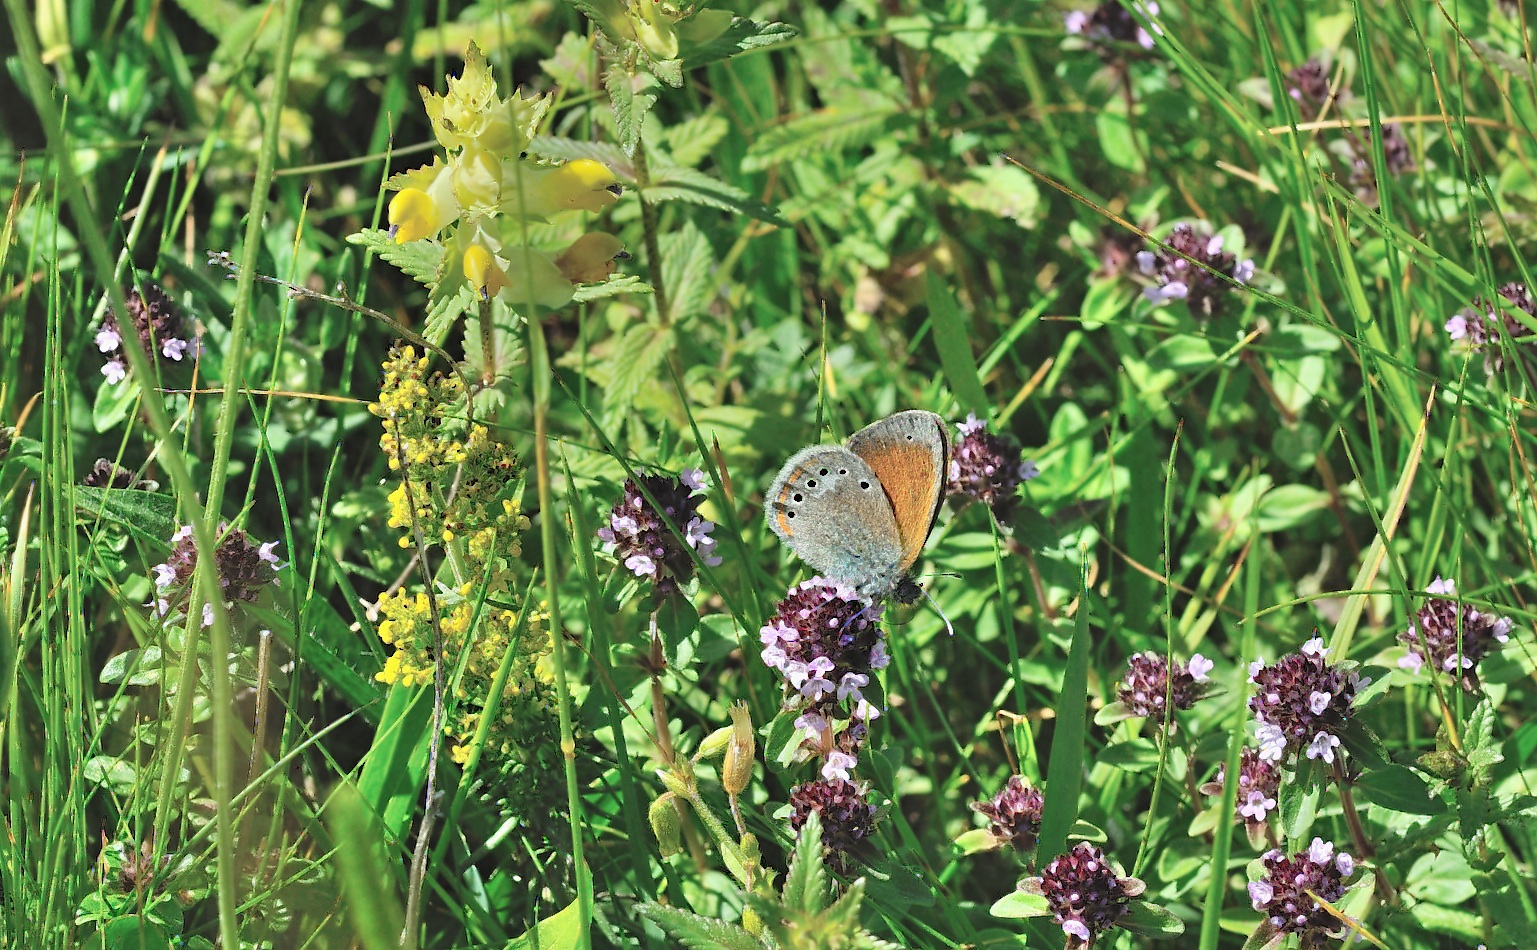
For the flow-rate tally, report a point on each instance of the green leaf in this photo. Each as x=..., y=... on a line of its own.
x=740, y=36
x=613, y=287
x=1122, y=146
x=688, y=271
x=827, y=131
x=1133, y=755
x=561, y=930
x=1401, y=789
x=975, y=841
x=699, y=933
x=636, y=358
x=1150, y=920
x=676, y=183
x=631, y=96
x=806, y=882
x=1002, y=190
x=952, y=338
x=1064, y=771
x=132, y=932
x=133, y=667
x=444, y=310
x=1018, y=904
x=366, y=879
x=419, y=260
x=550, y=146
x=1289, y=507
x=148, y=516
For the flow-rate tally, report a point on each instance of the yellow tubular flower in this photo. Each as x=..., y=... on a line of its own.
x=413, y=216
x=483, y=272
x=590, y=258
x=583, y=183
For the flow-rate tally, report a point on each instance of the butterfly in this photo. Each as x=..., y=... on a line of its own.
x=860, y=514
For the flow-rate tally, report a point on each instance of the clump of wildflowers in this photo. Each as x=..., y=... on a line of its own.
x=164, y=334
x=1150, y=689
x=1084, y=894
x=987, y=466
x=244, y=568
x=640, y=538
x=1303, y=702
x=1308, y=85
x=1259, y=784
x=478, y=203
x=1014, y=814
x=848, y=820
x=1109, y=27
x=1454, y=638
x=460, y=487
x=1184, y=270
x=1282, y=895
x=1479, y=326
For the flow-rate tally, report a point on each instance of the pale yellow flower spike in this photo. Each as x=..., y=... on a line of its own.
x=413, y=215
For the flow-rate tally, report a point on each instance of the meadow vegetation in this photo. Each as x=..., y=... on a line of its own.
x=389, y=393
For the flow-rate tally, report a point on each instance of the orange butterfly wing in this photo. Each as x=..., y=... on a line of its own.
x=910, y=453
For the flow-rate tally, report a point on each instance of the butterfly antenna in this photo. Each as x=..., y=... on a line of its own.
x=948, y=627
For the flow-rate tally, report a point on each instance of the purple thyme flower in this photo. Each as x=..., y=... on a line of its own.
x=1110, y=25
x=1085, y=894
x=640, y=539
x=1456, y=636
x=1146, y=685
x=108, y=474
x=1281, y=894
x=1303, y=702
x=1259, y=784
x=987, y=466
x=1175, y=277
x=245, y=569
x=847, y=819
x=1479, y=326
x=1308, y=84
x=1014, y=814
x=161, y=329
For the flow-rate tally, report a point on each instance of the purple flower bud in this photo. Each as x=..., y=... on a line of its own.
x=1014, y=814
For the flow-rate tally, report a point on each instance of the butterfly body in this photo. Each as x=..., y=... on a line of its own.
x=860, y=514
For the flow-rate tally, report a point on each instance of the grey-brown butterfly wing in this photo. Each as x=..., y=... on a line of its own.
x=828, y=505
x=910, y=455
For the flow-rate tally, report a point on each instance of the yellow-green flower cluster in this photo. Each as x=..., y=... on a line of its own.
x=660, y=27
x=478, y=203
x=463, y=485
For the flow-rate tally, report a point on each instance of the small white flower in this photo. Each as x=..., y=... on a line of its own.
x=1199, y=667
x=1146, y=262
x=1323, y=746
x=173, y=348
x=107, y=339
x=1214, y=246
x=1076, y=928
x=115, y=371
x=1318, y=701
x=1243, y=271
x=817, y=687
x=879, y=658
x=1272, y=742
x=1320, y=851
x=774, y=656
x=1442, y=587
x=267, y=552
x=208, y=615
x=812, y=724
x=165, y=575
x=641, y=565
x=1315, y=647
x=693, y=478
x=1411, y=661
x=1254, y=669
x=1345, y=863
x=1256, y=806
x=971, y=425
x=1260, y=893
x=850, y=685
x=838, y=765
x=1457, y=327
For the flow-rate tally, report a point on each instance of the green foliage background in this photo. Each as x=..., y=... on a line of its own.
x=923, y=203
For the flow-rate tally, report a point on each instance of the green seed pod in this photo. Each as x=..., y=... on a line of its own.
x=666, y=824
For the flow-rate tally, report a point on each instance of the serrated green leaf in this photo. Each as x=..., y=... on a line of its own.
x=806, y=882
x=742, y=35
x=676, y=183
x=635, y=361
x=148, y=516
x=699, y=933
x=445, y=309
x=688, y=271
x=831, y=130
x=613, y=287
x=1002, y=190
x=1401, y=789
x=631, y=96
x=419, y=260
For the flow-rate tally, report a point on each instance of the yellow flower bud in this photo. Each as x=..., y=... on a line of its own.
x=666, y=824
x=590, y=258
x=741, y=752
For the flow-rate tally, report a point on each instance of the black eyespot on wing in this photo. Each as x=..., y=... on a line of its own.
x=822, y=472
x=909, y=436
x=789, y=514
x=865, y=485
x=811, y=483
x=797, y=496
x=843, y=471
